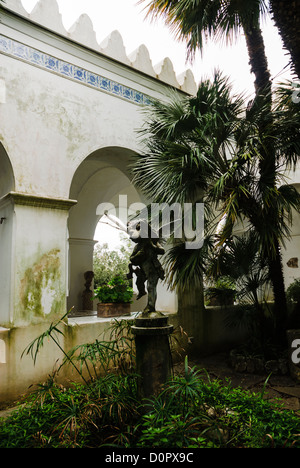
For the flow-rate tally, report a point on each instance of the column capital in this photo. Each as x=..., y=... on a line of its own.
x=19, y=198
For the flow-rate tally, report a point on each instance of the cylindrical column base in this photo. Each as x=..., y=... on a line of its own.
x=153, y=355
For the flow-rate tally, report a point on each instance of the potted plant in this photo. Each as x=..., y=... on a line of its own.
x=222, y=293
x=114, y=298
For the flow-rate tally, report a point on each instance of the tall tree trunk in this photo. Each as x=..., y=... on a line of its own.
x=263, y=96
x=258, y=60
x=277, y=279
x=286, y=16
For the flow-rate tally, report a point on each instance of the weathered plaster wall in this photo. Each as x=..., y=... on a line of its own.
x=57, y=124
x=60, y=119
x=40, y=256
x=68, y=120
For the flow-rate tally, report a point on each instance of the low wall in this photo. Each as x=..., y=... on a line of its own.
x=208, y=330
x=19, y=374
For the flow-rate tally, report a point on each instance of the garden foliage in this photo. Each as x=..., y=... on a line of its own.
x=191, y=411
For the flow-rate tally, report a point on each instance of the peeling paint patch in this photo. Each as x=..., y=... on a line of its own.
x=41, y=287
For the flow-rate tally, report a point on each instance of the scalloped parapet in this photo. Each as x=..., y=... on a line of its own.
x=83, y=32
x=47, y=14
x=140, y=59
x=113, y=47
x=187, y=82
x=165, y=72
x=16, y=5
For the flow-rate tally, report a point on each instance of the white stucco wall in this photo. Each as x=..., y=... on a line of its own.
x=54, y=119
x=69, y=112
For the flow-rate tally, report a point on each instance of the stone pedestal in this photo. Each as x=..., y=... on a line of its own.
x=153, y=355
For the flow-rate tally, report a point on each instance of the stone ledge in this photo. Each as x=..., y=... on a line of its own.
x=39, y=201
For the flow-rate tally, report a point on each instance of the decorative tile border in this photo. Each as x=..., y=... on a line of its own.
x=47, y=62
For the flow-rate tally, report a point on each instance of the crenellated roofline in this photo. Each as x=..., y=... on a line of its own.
x=46, y=14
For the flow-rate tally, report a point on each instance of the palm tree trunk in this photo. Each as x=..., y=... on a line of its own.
x=286, y=16
x=277, y=279
x=263, y=86
x=258, y=60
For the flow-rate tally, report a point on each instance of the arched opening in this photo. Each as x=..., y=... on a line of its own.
x=101, y=182
x=7, y=180
x=102, y=178
x=7, y=184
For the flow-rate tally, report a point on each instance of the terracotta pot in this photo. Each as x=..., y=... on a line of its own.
x=113, y=309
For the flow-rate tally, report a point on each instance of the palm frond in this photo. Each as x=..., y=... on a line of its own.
x=185, y=267
x=193, y=21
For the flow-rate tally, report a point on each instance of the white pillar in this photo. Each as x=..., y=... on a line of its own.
x=36, y=243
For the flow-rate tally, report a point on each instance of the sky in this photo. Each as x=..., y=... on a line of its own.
x=129, y=18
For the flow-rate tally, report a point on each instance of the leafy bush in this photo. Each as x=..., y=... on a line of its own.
x=190, y=412
x=223, y=290
x=116, y=290
x=110, y=263
x=218, y=416
x=108, y=411
x=293, y=291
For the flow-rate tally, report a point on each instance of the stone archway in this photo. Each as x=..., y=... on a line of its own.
x=100, y=178
x=7, y=179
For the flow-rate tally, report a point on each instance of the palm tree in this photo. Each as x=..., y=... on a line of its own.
x=286, y=16
x=208, y=148
x=188, y=139
x=195, y=20
x=265, y=200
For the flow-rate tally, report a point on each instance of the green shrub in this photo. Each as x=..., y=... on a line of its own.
x=220, y=416
x=223, y=291
x=190, y=412
x=293, y=291
x=116, y=290
x=109, y=263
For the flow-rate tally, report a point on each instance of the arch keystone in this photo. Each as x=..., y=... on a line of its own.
x=83, y=32
x=46, y=13
x=165, y=72
x=113, y=46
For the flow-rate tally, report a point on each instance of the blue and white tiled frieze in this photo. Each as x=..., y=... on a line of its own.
x=47, y=62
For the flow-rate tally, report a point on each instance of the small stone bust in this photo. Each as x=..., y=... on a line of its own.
x=87, y=295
